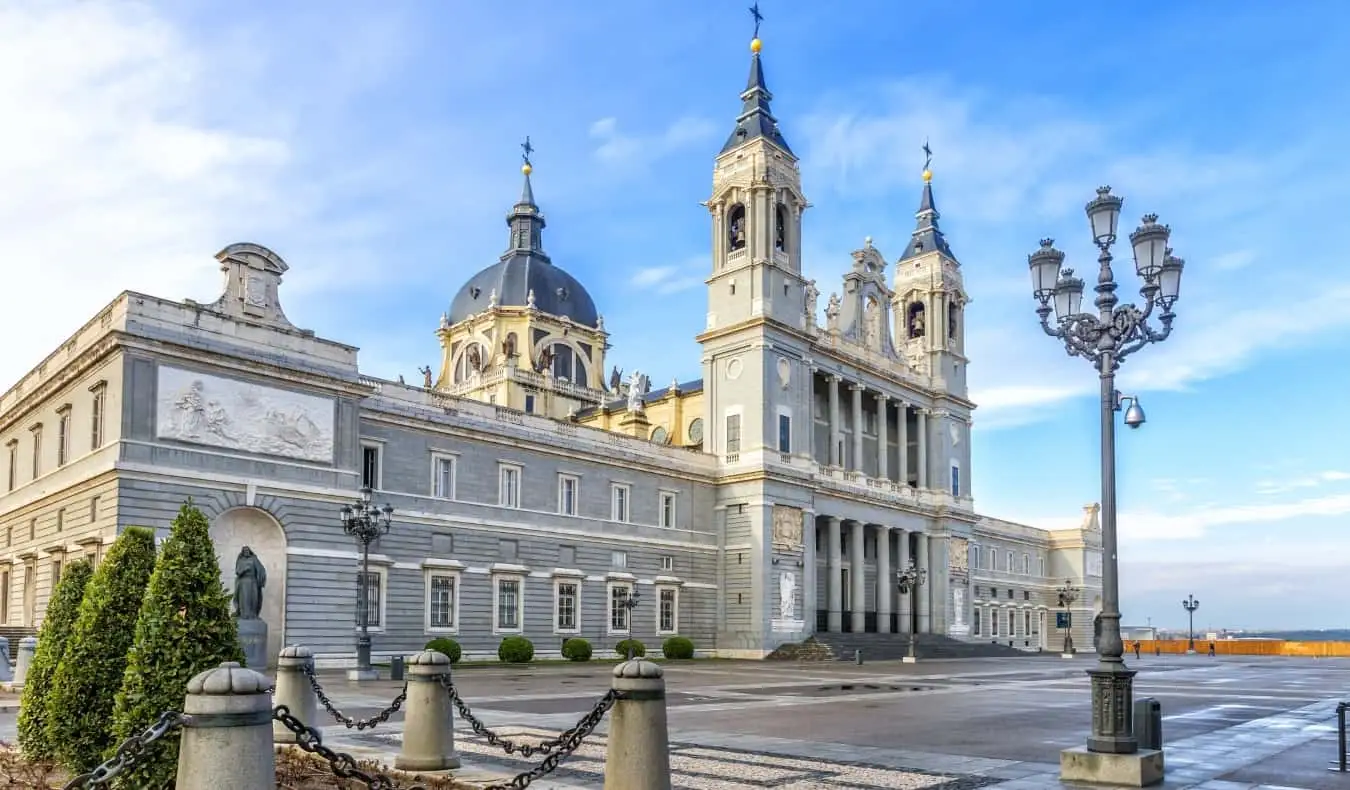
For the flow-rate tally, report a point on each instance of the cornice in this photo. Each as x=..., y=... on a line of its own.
x=69, y=372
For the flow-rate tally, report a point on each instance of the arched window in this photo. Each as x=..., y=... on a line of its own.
x=470, y=362
x=566, y=364
x=914, y=319
x=780, y=221
x=660, y=436
x=953, y=318
x=736, y=227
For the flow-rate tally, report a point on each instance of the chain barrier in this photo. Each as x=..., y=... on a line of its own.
x=344, y=765
x=554, y=750
x=359, y=724
x=128, y=754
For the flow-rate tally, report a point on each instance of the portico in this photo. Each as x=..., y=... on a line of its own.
x=856, y=564
x=883, y=438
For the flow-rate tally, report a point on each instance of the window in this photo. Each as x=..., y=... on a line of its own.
x=619, y=494
x=618, y=560
x=956, y=480
x=508, y=486
x=668, y=564
x=567, y=494
x=668, y=610
x=100, y=391
x=1026, y=623
x=443, y=476
x=369, y=595
x=1026, y=595
x=733, y=433
x=993, y=622
x=93, y=510
x=1036, y=624
x=32, y=529
x=508, y=608
x=442, y=601
x=1010, y=567
x=37, y=450
x=1010, y=595
x=63, y=436
x=1042, y=563
x=667, y=514
x=974, y=557
x=1026, y=564
x=529, y=404
x=61, y=520
x=618, y=607
x=975, y=622
x=9, y=536
x=56, y=573
x=784, y=433
x=13, y=466
x=566, y=600
x=4, y=597
x=370, y=466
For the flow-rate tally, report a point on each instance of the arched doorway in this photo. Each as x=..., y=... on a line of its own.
x=261, y=532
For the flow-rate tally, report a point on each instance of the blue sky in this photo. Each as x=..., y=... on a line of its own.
x=376, y=151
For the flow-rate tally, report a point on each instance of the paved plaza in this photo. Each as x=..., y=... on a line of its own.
x=1229, y=723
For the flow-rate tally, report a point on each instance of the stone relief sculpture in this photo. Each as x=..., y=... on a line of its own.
x=787, y=595
x=832, y=313
x=787, y=527
x=960, y=555
x=872, y=325
x=249, y=580
x=812, y=301
x=205, y=409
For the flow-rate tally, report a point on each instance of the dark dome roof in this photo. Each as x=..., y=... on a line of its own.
x=555, y=291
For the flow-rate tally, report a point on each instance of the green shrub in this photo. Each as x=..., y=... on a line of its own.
x=79, y=711
x=678, y=647
x=639, y=649
x=448, y=647
x=185, y=627
x=516, y=650
x=576, y=650
x=52, y=641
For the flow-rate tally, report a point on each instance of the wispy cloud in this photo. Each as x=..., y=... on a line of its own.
x=1300, y=482
x=1233, y=261
x=616, y=148
x=667, y=279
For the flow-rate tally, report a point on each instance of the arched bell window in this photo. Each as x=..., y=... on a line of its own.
x=736, y=229
x=565, y=364
x=953, y=317
x=915, y=320
x=780, y=222
x=471, y=361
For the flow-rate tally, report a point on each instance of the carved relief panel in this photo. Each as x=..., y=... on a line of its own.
x=787, y=527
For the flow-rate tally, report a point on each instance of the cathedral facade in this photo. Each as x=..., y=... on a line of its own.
x=825, y=450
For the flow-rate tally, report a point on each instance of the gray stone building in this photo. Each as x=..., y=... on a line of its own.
x=777, y=497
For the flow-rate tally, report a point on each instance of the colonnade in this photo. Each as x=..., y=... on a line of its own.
x=911, y=465
x=847, y=604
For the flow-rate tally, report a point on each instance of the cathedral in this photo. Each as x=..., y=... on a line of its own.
x=823, y=459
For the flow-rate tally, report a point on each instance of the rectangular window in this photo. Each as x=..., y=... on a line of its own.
x=63, y=436
x=618, y=608
x=567, y=494
x=784, y=433
x=1010, y=567
x=37, y=450
x=668, y=564
x=667, y=509
x=975, y=622
x=508, y=604
x=993, y=622
x=529, y=404
x=618, y=560
x=956, y=480
x=370, y=466
x=93, y=510
x=4, y=597
x=1026, y=564
x=669, y=613
x=1036, y=625
x=619, y=494
x=1042, y=563
x=567, y=595
x=368, y=588
x=96, y=417
x=13, y=467
x=441, y=602
x=733, y=433
x=56, y=573
x=508, y=486
x=443, y=477
x=61, y=520
x=32, y=529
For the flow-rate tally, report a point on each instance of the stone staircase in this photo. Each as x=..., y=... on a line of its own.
x=888, y=647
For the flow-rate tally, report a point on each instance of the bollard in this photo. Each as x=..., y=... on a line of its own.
x=6, y=676
x=857, y=657
x=227, y=737
x=294, y=691
x=637, y=756
x=428, y=719
x=27, y=647
x=1340, y=735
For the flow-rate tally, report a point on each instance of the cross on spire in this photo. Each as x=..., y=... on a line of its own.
x=757, y=16
x=527, y=148
x=927, y=155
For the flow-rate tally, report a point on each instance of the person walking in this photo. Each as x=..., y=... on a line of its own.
x=1136, y=650
x=1211, y=649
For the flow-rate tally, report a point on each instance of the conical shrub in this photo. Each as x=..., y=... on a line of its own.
x=53, y=638
x=79, y=712
x=185, y=627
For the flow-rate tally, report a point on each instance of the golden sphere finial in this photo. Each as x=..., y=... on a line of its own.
x=756, y=45
x=927, y=176
x=526, y=169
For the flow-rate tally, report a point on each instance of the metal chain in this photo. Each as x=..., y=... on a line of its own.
x=129, y=753
x=343, y=765
x=360, y=724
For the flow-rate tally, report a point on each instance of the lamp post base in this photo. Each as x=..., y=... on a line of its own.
x=1140, y=769
x=1112, y=709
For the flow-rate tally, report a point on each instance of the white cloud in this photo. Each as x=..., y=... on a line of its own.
x=618, y=149
x=668, y=279
x=1296, y=482
x=1232, y=261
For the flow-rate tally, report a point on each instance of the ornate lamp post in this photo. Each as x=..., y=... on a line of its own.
x=1105, y=339
x=1190, y=605
x=630, y=603
x=365, y=522
x=909, y=582
x=1067, y=595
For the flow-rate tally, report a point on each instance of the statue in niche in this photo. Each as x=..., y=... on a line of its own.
x=545, y=362
x=812, y=300
x=615, y=379
x=426, y=375
x=637, y=387
x=249, y=579
x=872, y=325
x=953, y=317
x=832, y=313
x=916, y=321
x=474, y=356
x=509, y=345
x=787, y=595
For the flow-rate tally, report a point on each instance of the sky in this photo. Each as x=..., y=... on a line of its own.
x=376, y=150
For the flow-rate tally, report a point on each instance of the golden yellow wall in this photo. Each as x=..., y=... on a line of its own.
x=1263, y=647
x=672, y=412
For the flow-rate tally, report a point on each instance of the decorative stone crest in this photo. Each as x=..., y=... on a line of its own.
x=959, y=555
x=787, y=527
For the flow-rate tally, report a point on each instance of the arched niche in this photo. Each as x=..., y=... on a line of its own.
x=563, y=360
x=915, y=320
x=736, y=229
x=261, y=532
x=780, y=225
x=471, y=360
x=953, y=320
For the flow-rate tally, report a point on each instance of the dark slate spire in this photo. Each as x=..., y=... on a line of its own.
x=756, y=119
x=927, y=235
x=525, y=220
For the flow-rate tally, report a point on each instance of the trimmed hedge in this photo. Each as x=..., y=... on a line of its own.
x=576, y=650
x=447, y=647
x=79, y=712
x=53, y=638
x=185, y=627
x=678, y=647
x=639, y=649
x=516, y=650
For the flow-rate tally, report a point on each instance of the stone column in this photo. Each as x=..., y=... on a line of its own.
x=227, y=735
x=923, y=449
x=637, y=756
x=925, y=595
x=809, y=569
x=902, y=439
x=857, y=391
x=882, y=430
x=835, y=460
x=885, y=579
x=294, y=690
x=834, y=584
x=24, y=660
x=939, y=585
x=857, y=576
x=428, y=719
x=906, y=608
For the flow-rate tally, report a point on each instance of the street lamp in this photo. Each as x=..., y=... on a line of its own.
x=630, y=602
x=909, y=582
x=1105, y=338
x=1067, y=595
x=1190, y=605
x=365, y=522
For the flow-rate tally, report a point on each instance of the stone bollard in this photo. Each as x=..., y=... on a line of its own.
x=428, y=718
x=6, y=676
x=638, y=754
x=27, y=648
x=227, y=733
x=294, y=690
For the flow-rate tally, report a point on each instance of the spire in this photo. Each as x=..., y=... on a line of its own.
x=525, y=220
x=756, y=119
x=927, y=235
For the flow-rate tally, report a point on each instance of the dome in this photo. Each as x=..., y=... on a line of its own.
x=513, y=278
